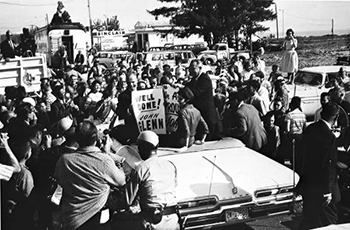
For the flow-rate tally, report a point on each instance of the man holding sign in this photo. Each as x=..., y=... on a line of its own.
x=148, y=107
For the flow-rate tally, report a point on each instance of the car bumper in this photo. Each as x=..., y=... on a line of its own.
x=218, y=218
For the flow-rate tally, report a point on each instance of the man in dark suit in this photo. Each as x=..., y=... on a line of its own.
x=59, y=108
x=124, y=110
x=8, y=47
x=246, y=123
x=318, y=183
x=202, y=88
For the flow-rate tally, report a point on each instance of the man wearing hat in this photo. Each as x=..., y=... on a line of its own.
x=153, y=184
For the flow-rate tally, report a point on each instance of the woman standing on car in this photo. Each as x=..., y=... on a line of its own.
x=289, y=63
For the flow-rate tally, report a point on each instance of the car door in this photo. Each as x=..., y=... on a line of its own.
x=307, y=86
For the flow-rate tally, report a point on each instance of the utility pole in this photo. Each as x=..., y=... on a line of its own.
x=277, y=32
x=283, y=20
x=47, y=19
x=332, y=30
x=90, y=22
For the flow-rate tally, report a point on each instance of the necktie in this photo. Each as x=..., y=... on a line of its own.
x=11, y=44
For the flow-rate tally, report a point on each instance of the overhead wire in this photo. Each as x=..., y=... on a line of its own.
x=35, y=5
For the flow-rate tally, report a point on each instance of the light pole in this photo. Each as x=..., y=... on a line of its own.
x=90, y=22
x=277, y=32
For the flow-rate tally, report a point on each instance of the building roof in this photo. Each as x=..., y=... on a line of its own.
x=151, y=25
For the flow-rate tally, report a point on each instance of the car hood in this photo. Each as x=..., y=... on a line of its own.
x=217, y=171
x=302, y=90
x=207, y=52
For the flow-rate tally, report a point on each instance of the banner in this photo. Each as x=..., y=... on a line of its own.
x=148, y=106
x=171, y=108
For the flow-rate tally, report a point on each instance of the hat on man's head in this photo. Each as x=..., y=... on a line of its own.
x=149, y=137
x=30, y=100
x=64, y=124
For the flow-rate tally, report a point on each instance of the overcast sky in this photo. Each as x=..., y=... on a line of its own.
x=302, y=16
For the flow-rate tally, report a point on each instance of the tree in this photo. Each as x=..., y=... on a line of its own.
x=217, y=20
x=108, y=24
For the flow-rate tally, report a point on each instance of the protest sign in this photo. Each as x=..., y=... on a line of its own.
x=148, y=106
x=171, y=108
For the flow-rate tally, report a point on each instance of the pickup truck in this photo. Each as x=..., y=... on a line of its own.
x=24, y=71
x=220, y=52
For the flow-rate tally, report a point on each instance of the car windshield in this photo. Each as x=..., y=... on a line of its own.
x=308, y=78
x=103, y=55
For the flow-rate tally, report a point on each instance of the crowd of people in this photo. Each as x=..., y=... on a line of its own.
x=54, y=137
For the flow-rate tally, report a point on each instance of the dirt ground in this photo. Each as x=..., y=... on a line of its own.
x=314, y=51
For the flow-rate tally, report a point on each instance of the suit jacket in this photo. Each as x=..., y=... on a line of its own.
x=202, y=89
x=6, y=49
x=320, y=157
x=58, y=111
x=248, y=128
x=124, y=102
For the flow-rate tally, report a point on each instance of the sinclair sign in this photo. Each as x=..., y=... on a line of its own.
x=110, y=39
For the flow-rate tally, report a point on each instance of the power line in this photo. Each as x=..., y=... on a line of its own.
x=21, y=4
x=314, y=19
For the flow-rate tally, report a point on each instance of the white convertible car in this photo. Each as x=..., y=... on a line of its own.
x=224, y=182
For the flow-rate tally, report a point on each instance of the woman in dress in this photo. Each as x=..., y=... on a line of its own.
x=289, y=63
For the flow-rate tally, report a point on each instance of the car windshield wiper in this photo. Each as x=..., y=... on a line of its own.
x=228, y=177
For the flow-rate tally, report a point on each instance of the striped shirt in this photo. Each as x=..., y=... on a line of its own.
x=296, y=122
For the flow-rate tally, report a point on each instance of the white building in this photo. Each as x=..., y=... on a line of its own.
x=153, y=34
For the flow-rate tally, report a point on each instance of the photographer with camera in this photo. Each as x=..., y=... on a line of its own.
x=87, y=177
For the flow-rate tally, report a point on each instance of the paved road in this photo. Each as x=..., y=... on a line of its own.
x=283, y=222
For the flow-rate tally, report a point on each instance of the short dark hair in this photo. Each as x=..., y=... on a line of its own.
x=268, y=116
x=23, y=110
x=290, y=30
x=34, y=129
x=329, y=111
x=296, y=102
x=187, y=94
x=20, y=148
x=237, y=95
x=86, y=134
x=118, y=133
x=255, y=84
x=57, y=89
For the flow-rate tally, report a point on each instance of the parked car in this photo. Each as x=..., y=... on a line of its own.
x=220, y=53
x=156, y=48
x=223, y=183
x=110, y=59
x=343, y=60
x=160, y=58
x=309, y=83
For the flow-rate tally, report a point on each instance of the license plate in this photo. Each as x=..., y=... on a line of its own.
x=236, y=214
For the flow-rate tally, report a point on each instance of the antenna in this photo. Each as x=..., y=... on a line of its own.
x=212, y=175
